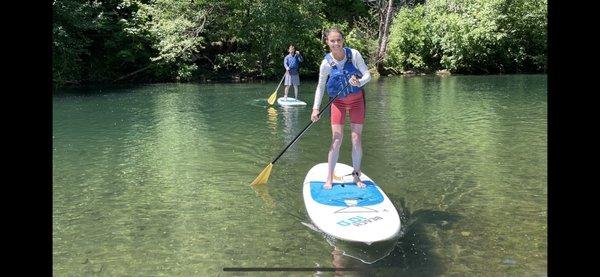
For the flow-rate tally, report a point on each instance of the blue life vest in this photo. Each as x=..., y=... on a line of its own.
x=338, y=78
x=293, y=64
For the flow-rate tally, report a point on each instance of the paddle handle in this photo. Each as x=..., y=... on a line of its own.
x=280, y=82
x=309, y=124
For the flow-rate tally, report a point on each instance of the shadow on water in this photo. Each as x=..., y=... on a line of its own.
x=413, y=254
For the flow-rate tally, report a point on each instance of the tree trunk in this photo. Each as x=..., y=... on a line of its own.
x=132, y=73
x=386, y=14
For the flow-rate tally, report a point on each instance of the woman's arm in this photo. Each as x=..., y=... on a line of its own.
x=324, y=71
x=359, y=63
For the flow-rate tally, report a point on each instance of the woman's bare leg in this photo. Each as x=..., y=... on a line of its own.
x=337, y=131
x=357, y=151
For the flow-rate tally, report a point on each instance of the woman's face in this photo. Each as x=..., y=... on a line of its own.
x=291, y=50
x=335, y=41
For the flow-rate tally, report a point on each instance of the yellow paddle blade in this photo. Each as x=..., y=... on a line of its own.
x=263, y=176
x=272, y=98
x=263, y=192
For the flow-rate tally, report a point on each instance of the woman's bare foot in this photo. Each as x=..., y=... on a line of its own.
x=327, y=185
x=360, y=184
x=357, y=180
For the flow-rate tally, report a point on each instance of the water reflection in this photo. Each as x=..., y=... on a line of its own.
x=292, y=125
x=154, y=180
x=290, y=122
x=272, y=118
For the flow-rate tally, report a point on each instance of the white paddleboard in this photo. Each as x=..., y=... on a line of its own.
x=346, y=211
x=290, y=101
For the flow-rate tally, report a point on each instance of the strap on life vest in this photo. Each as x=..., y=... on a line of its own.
x=333, y=64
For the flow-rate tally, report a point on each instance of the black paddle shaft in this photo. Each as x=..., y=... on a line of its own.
x=309, y=124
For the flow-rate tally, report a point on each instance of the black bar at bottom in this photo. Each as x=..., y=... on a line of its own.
x=290, y=269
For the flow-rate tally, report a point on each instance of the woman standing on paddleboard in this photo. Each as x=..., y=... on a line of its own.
x=343, y=65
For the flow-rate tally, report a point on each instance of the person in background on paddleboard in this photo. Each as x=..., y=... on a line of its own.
x=343, y=65
x=291, y=62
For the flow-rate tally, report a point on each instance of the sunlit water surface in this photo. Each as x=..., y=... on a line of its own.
x=153, y=180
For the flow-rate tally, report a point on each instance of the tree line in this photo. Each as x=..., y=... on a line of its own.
x=107, y=41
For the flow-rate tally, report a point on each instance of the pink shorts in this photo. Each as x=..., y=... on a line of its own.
x=354, y=104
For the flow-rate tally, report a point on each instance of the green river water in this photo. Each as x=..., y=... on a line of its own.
x=153, y=180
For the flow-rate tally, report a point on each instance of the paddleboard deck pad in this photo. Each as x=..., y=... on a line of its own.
x=347, y=212
x=290, y=101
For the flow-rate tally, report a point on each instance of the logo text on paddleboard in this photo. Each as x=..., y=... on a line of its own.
x=358, y=220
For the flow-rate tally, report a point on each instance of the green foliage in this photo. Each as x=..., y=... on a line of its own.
x=90, y=44
x=408, y=46
x=363, y=37
x=168, y=40
x=229, y=37
x=263, y=31
x=185, y=72
x=72, y=20
x=344, y=11
x=469, y=36
x=525, y=45
x=176, y=26
x=175, y=29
